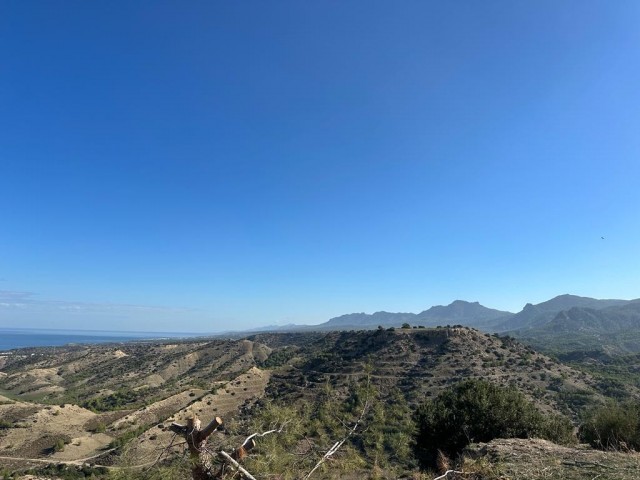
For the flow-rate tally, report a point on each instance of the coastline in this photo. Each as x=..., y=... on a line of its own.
x=18, y=338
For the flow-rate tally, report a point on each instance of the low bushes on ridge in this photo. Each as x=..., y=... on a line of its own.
x=479, y=411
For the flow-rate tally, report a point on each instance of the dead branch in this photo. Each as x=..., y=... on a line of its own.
x=212, y=427
x=268, y=432
x=577, y=463
x=228, y=458
x=336, y=446
x=164, y=451
x=444, y=475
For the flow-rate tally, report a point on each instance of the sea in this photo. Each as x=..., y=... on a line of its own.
x=11, y=338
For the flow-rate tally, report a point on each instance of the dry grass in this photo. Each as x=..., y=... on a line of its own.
x=542, y=460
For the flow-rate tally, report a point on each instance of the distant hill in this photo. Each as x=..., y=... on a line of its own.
x=365, y=320
x=470, y=314
x=608, y=320
x=562, y=324
x=421, y=361
x=614, y=329
x=533, y=316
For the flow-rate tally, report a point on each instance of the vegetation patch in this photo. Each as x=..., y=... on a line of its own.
x=614, y=426
x=479, y=411
x=122, y=398
x=68, y=472
x=278, y=358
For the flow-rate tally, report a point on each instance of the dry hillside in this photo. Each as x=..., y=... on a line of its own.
x=81, y=404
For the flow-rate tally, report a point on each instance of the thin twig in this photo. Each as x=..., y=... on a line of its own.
x=165, y=450
x=444, y=475
x=257, y=435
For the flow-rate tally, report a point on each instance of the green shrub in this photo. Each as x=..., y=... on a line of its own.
x=278, y=358
x=479, y=411
x=58, y=446
x=68, y=472
x=122, y=398
x=613, y=426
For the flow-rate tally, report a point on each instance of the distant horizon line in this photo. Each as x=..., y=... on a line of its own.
x=69, y=330
x=258, y=328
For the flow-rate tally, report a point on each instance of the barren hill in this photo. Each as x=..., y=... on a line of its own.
x=135, y=371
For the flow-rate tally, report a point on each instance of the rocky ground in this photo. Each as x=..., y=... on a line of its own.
x=540, y=459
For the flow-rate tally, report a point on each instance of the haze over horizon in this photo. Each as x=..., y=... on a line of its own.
x=215, y=166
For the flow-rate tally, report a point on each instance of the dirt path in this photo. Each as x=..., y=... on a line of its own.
x=49, y=461
x=79, y=462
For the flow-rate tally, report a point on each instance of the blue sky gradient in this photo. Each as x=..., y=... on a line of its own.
x=229, y=165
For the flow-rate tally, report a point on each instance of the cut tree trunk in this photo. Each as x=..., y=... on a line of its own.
x=196, y=438
x=202, y=459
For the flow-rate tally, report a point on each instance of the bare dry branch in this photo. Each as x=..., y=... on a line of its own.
x=336, y=446
x=178, y=428
x=229, y=458
x=163, y=452
x=268, y=432
x=444, y=475
x=209, y=429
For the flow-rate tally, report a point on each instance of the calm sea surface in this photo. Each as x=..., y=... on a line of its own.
x=19, y=338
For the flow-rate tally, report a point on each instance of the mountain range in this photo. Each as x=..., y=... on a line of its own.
x=613, y=329
x=470, y=314
x=565, y=322
x=473, y=314
x=532, y=316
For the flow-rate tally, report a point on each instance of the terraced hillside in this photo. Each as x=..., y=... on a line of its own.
x=104, y=377
x=82, y=404
x=421, y=362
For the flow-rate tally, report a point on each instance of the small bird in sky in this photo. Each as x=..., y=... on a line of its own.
x=602, y=238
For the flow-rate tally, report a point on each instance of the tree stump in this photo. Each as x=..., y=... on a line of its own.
x=196, y=438
x=202, y=459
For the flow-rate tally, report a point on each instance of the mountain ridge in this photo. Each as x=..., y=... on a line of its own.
x=532, y=316
x=566, y=321
x=613, y=329
x=471, y=314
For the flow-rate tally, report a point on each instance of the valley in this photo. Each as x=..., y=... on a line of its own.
x=111, y=405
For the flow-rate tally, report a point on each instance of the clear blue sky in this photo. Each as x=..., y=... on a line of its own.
x=198, y=166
